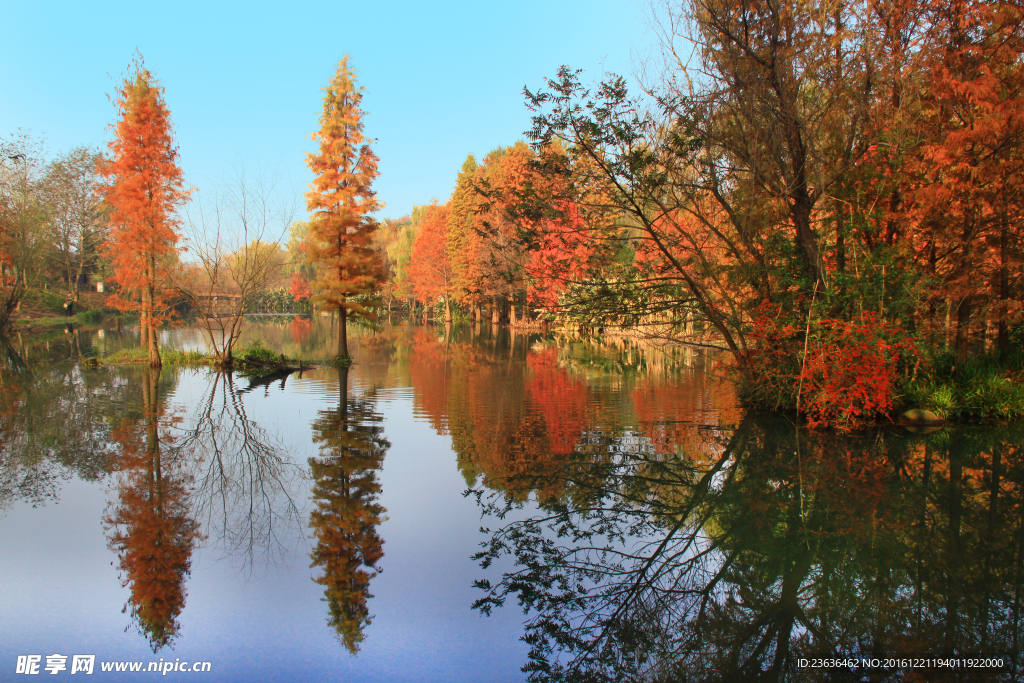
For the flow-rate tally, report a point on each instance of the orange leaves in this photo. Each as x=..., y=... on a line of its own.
x=850, y=371
x=430, y=268
x=341, y=200
x=299, y=287
x=561, y=257
x=143, y=191
x=345, y=167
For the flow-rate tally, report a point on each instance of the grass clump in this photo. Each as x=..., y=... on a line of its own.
x=138, y=354
x=186, y=357
x=256, y=352
x=90, y=317
x=986, y=387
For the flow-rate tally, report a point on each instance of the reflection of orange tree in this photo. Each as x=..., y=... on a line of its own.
x=300, y=328
x=150, y=528
x=505, y=420
x=352, y=448
x=559, y=399
x=674, y=413
x=430, y=374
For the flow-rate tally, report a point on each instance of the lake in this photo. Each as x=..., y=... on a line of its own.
x=465, y=503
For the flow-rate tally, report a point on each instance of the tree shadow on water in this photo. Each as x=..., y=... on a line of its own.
x=759, y=547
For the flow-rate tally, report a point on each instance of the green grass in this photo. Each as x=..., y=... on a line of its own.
x=139, y=354
x=89, y=317
x=986, y=387
x=255, y=351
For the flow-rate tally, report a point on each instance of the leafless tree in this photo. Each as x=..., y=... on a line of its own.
x=234, y=240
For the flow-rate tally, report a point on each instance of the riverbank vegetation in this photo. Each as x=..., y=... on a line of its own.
x=830, y=194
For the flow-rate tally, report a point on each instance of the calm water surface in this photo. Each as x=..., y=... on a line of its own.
x=392, y=521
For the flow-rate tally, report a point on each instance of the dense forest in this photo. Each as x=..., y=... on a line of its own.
x=830, y=193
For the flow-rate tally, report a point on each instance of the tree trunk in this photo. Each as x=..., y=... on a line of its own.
x=1004, y=288
x=342, y=333
x=151, y=339
x=963, y=327
x=154, y=348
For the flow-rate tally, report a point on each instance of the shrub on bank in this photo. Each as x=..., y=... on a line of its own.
x=833, y=372
x=841, y=373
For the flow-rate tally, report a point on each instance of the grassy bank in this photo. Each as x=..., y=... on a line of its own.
x=254, y=359
x=983, y=388
x=139, y=355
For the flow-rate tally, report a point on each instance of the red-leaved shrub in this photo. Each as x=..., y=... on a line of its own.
x=851, y=371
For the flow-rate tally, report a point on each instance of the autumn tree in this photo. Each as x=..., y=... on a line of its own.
x=22, y=221
x=399, y=250
x=560, y=258
x=393, y=242
x=341, y=200
x=297, y=267
x=958, y=217
x=505, y=176
x=430, y=267
x=465, y=245
x=143, y=191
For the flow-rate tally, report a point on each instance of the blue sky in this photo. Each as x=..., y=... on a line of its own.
x=243, y=80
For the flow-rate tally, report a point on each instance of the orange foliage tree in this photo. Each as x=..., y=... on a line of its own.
x=430, y=268
x=143, y=190
x=962, y=199
x=465, y=245
x=341, y=200
x=299, y=287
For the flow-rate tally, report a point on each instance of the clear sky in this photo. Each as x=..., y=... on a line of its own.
x=242, y=80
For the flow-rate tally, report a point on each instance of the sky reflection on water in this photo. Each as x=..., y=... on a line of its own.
x=746, y=543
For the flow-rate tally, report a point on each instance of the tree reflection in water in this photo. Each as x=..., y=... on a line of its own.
x=52, y=426
x=729, y=559
x=345, y=520
x=244, y=478
x=150, y=528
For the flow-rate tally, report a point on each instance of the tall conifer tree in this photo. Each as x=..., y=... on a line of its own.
x=341, y=201
x=463, y=242
x=143, y=191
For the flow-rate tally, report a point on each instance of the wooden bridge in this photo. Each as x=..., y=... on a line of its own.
x=217, y=304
